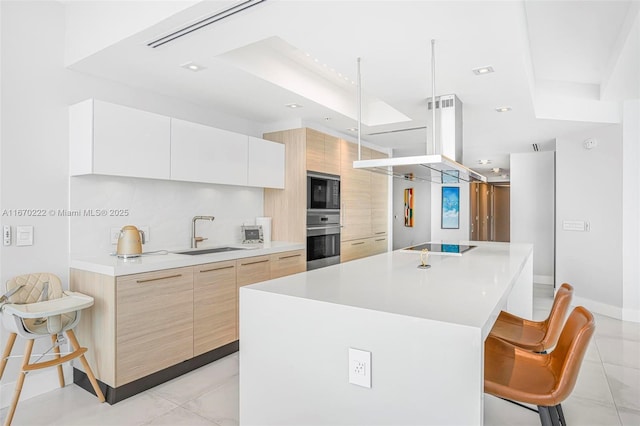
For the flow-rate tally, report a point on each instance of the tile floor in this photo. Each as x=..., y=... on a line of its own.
x=607, y=391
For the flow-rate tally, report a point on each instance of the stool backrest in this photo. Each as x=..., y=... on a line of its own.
x=555, y=320
x=566, y=358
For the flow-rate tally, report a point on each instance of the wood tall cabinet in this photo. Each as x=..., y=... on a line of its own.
x=364, y=195
x=364, y=206
x=288, y=207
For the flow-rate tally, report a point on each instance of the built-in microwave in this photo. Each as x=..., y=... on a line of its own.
x=323, y=191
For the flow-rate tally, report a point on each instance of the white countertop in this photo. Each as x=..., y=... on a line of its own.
x=114, y=266
x=468, y=290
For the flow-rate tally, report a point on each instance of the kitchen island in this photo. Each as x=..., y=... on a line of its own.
x=425, y=330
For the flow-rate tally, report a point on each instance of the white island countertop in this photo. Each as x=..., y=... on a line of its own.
x=115, y=266
x=467, y=290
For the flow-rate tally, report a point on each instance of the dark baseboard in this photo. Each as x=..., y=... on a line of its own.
x=113, y=395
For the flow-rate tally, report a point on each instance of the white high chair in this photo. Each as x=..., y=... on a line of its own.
x=35, y=306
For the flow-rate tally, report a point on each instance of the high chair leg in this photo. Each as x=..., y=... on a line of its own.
x=7, y=351
x=87, y=370
x=16, y=393
x=56, y=349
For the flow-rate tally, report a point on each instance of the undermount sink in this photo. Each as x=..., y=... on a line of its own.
x=208, y=251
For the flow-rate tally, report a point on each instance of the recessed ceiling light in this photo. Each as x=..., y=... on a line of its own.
x=484, y=162
x=482, y=70
x=352, y=129
x=503, y=109
x=192, y=66
x=293, y=106
x=505, y=175
x=496, y=170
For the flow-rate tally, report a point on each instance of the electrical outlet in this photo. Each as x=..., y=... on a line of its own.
x=360, y=367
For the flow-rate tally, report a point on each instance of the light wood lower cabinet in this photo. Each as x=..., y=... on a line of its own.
x=251, y=270
x=355, y=249
x=154, y=322
x=287, y=263
x=379, y=244
x=142, y=323
x=214, y=306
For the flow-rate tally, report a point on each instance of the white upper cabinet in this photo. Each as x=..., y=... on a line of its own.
x=116, y=140
x=266, y=163
x=205, y=154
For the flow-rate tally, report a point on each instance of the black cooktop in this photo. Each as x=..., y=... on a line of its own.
x=442, y=248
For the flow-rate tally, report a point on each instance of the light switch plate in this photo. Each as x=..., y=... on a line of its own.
x=360, y=367
x=24, y=235
x=6, y=235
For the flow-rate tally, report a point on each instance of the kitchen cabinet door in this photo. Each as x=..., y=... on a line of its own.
x=287, y=263
x=355, y=249
x=214, y=306
x=323, y=152
x=154, y=322
x=250, y=270
x=379, y=245
x=111, y=139
x=205, y=154
x=266, y=163
x=355, y=194
x=379, y=199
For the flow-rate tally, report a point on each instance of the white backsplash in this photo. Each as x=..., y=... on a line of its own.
x=166, y=207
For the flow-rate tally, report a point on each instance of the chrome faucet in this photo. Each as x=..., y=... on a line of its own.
x=195, y=240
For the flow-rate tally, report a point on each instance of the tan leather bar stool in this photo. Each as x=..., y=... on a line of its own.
x=544, y=380
x=537, y=336
x=35, y=306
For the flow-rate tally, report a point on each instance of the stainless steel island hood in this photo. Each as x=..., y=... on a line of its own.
x=439, y=164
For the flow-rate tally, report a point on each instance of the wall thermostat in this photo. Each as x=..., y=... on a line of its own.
x=252, y=234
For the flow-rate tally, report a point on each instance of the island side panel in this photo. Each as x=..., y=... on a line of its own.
x=294, y=365
x=520, y=301
x=96, y=329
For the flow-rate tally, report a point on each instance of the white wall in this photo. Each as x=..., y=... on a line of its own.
x=404, y=236
x=449, y=235
x=631, y=212
x=589, y=188
x=532, y=209
x=36, y=91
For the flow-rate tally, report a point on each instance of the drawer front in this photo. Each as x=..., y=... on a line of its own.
x=253, y=270
x=214, y=306
x=355, y=249
x=379, y=245
x=154, y=322
x=287, y=263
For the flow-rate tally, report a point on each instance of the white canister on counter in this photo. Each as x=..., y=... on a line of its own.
x=265, y=222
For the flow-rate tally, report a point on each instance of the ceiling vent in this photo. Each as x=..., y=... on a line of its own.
x=536, y=148
x=218, y=16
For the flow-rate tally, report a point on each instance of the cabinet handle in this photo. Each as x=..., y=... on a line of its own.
x=158, y=279
x=290, y=256
x=381, y=239
x=217, y=269
x=380, y=233
x=355, y=244
x=253, y=263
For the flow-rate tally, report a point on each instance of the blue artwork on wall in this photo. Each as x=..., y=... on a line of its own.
x=450, y=207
